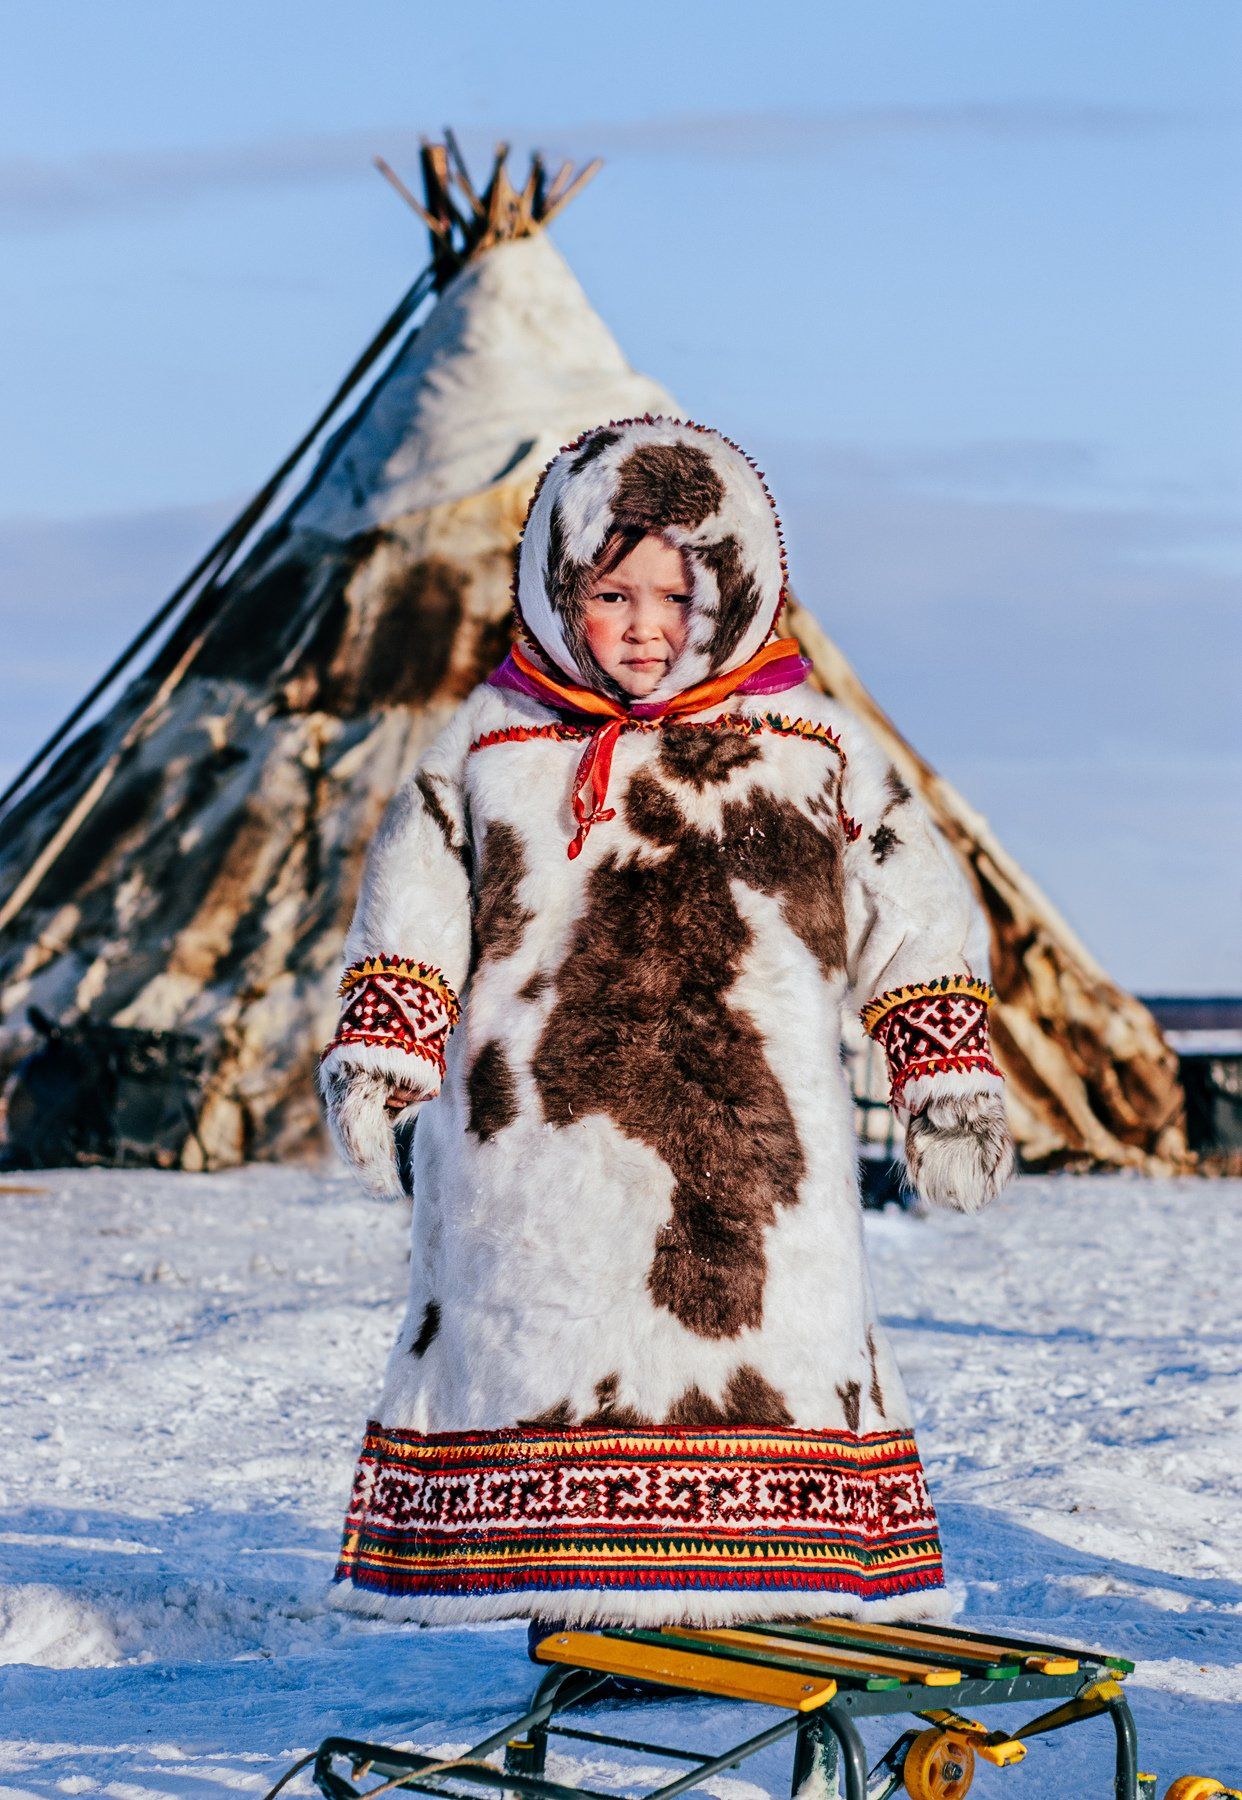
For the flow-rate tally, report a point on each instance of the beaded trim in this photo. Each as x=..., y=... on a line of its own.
x=745, y=724
x=396, y=1005
x=876, y=1008
x=431, y=1049
x=815, y=734
x=940, y=1065
x=932, y=1028
x=649, y=419
x=426, y=973
x=516, y=734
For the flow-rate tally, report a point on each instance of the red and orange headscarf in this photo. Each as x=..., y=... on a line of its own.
x=703, y=494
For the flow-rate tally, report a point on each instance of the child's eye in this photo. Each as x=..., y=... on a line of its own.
x=682, y=599
x=606, y=595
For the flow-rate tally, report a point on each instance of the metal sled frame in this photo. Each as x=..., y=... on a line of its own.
x=822, y=1675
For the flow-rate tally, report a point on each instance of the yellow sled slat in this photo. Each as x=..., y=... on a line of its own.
x=975, y=1649
x=681, y=1668
x=858, y=1662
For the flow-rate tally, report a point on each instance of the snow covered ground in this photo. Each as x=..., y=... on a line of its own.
x=188, y=1360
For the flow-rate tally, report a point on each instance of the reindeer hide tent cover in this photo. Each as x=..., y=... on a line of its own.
x=192, y=859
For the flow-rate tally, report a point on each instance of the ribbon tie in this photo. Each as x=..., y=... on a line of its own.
x=590, y=788
x=772, y=669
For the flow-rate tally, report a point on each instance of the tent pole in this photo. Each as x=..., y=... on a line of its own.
x=211, y=565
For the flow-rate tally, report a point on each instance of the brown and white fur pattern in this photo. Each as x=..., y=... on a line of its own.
x=635, y=1192
x=661, y=475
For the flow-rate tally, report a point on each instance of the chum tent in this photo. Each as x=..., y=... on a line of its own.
x=188, y=861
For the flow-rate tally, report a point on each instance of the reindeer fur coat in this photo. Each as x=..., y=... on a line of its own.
x=641, y=1377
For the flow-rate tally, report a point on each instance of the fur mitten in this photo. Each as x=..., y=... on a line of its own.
x=960, y=1151
x=362, y=1127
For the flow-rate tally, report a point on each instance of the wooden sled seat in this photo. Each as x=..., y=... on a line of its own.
x=820, y=1675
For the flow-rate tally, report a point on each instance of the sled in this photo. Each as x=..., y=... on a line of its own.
x=820, y=1677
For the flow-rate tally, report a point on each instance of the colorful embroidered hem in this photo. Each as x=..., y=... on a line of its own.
x=401, y=1005
x=508, y=1511
x=932, y=1028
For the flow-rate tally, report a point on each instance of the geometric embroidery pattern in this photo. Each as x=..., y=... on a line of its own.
x=404, y=1005
x=401, y=965
x=928, y=1028
x=512, y=1510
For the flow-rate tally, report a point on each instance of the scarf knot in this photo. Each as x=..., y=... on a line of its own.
x=590, y=788
x=771, y=670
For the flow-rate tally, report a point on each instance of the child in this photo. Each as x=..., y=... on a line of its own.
x=604, y=939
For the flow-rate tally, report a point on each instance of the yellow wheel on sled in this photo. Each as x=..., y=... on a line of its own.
x=1195, y=1787
x=939, y=1765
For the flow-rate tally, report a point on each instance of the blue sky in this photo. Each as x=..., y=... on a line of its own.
x=966, y=279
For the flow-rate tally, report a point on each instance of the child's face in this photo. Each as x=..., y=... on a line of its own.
x=638, y=615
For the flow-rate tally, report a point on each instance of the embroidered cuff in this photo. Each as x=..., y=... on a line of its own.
x=931, y=1032
x=394, y=1008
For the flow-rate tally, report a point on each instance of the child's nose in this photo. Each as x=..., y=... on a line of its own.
x=645, y=618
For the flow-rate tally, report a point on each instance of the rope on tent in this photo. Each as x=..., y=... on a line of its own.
x=212, y=564
x=500, y=212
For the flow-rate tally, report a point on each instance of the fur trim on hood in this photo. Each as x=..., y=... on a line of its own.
x=668, y=476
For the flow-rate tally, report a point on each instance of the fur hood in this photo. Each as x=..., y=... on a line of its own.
x=663, y=475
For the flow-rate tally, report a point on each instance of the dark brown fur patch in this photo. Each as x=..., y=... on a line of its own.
x=739, y=598
x=491, y=1091
x=850, y=1396
x=427, y=1331
x=825, y=804
x=772, y=846
x=568, y=583
x=883, y=840
x=642, y=1031
x=877, y=1392
x=500, y=920
x=749, y=1399
x=896, y=786
x=607, y=1412
x=537, y=984
x=552, y=1418
x=565, y=580
x=435, y=808
x=666, y=484
x=703, y=756
x=652, y=811
x=749, y=1395
x=424, y=605
x=595, y=446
